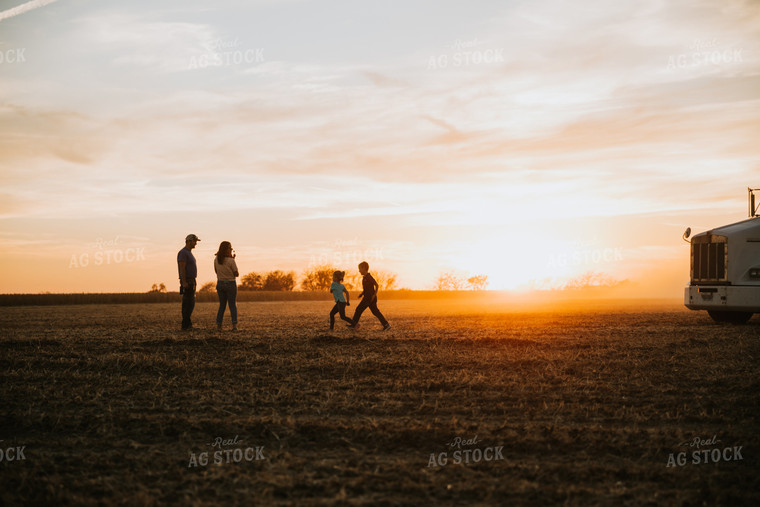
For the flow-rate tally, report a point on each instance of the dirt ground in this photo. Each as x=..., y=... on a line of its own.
x=459, y=403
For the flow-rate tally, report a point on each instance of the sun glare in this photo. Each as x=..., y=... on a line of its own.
x=512, y=262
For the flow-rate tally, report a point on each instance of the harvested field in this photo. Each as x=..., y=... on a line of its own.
x=578, y=405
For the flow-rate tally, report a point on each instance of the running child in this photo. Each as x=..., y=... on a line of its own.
x=369, y=293
x=341, y=302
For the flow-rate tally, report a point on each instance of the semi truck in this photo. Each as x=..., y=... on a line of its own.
x=725, y=269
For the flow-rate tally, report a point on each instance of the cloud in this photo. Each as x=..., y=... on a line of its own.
x=164, y=46
x=585, y=101
x=384, y=81
x=40, y=134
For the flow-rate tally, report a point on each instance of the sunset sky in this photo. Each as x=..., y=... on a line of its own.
x=531, y=141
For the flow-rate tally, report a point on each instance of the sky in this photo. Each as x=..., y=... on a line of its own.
x=530, y=141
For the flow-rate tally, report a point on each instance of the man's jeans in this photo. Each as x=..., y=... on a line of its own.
x=188, y=303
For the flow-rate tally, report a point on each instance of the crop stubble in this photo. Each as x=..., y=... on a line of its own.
x=111, y=400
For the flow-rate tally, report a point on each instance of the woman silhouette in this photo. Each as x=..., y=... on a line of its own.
x=226, y=287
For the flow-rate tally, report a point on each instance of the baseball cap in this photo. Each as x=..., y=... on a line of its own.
x=191, y=237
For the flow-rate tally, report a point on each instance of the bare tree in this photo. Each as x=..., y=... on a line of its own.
x=386, y=280
x=279, y=280
x=252, y=281
x=449, y=281
x=353, y=280
x=207, y=288
x=478, y=282
x=318, y=278
x=158, y=288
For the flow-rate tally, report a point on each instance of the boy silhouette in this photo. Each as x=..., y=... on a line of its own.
x=369, y=295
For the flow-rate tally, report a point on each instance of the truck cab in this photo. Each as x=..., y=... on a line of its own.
x=725, y=269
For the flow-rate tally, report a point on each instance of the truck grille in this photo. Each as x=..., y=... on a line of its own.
x=708, y=259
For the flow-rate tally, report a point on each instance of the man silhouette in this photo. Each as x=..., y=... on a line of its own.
x=188, y=272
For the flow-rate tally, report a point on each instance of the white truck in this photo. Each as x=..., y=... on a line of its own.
x=725, y=269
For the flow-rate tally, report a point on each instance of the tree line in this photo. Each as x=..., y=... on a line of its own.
x=319, y=278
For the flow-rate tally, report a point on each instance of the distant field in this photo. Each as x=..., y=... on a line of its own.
x=152, y=297
x=578, y=404
x=490, y=298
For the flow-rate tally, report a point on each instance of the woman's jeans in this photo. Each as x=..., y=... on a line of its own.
x=227, y=292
